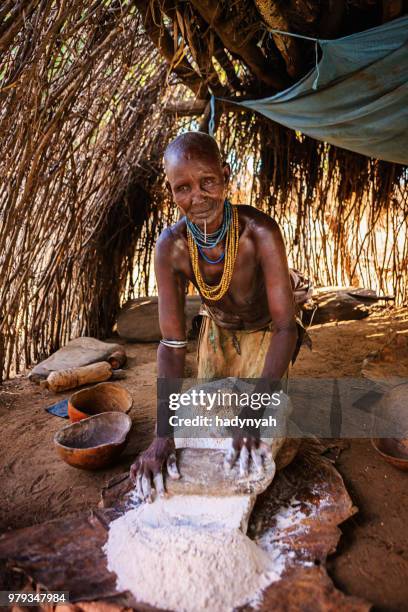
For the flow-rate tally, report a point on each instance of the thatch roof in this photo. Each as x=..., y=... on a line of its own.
x=91, y=92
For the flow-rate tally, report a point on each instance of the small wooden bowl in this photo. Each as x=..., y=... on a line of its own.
x=391, y=451
x=105, y=397
x=95, y=442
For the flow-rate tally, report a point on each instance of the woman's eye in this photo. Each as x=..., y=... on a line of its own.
x=182, y=188
x=208, y=182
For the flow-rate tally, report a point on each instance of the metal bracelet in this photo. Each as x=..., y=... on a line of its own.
x=174, y=343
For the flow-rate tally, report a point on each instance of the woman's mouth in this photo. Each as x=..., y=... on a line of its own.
x=202, y=212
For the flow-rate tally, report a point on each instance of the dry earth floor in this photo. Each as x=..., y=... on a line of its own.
x=372, y=558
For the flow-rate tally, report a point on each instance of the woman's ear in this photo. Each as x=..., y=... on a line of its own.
x=226, y=170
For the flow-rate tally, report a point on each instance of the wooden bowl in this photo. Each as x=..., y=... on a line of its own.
x=392, y=451
x=105, y=397
x=94, y=442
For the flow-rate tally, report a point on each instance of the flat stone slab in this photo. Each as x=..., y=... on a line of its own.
x=78, y=352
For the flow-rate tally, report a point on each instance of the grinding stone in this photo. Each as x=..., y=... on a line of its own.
x=203, y=473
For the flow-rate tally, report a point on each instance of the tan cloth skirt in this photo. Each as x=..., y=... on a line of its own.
x=224, y=352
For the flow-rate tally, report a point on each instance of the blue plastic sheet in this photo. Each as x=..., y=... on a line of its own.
x=356, y=97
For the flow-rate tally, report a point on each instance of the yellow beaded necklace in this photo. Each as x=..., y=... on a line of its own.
x=216, y=292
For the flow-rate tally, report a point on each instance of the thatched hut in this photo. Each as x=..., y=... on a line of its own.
x=91, y=93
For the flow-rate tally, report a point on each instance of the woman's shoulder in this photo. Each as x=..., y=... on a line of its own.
x=256, y=219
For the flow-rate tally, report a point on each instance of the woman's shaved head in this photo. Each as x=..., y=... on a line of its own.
x=192, y=145
x=196, y=177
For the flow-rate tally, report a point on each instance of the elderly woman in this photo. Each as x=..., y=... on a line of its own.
x=235, y=257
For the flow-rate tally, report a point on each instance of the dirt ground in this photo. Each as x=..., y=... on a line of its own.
x=372, y=558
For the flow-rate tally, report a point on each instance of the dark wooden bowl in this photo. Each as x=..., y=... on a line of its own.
x=105, y=397
x=392, y=451
x=95, y=442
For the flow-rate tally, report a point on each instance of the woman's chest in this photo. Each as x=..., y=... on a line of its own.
x=246, y=283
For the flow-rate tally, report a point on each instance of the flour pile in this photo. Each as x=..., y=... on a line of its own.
x=187, y=554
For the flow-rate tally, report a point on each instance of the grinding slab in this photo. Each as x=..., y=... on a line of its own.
x=203, y=473
x=204, y=476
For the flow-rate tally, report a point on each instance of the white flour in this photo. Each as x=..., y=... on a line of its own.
x=291, y=519
x=230, y=512
x=186, y=554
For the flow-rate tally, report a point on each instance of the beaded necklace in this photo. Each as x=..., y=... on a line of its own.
x=216, y=292
x=208, y=260
x=209, y=241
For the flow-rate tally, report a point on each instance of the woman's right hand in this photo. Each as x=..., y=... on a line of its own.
x=147, y=471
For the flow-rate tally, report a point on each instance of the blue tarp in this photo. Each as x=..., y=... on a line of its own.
x=356, y=97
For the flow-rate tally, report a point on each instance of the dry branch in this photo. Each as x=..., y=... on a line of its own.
x=191, y=108
x=159, y=35
x=88, y=103
x=274, y=18
x=227, y=29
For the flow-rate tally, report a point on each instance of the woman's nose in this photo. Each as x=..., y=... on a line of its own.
x=197, y=201
x=197, y=195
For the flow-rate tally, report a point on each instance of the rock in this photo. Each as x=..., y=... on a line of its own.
x=78, y=352
x=76, y=377
x=340, y=304
x=138, y=320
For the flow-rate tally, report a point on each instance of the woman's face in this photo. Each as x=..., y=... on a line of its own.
x=198, y=186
